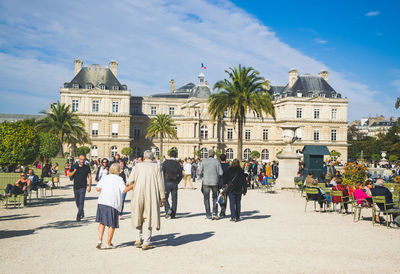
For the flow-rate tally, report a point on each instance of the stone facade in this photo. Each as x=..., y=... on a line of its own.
x=307, y=101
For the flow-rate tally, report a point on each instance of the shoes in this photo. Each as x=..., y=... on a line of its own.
x=208, y=217
x=167, y=216
x=78, y=218
x=147, y=247
x=111, y=246
x=232, y=220
x=98, y=246
x=222, y=214
x=120, y=217
x=138, y=244
x=237, y=219
x=214, y=217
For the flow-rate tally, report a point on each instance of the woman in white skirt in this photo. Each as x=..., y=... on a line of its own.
x=109, y=203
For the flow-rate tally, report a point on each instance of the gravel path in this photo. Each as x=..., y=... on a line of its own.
x=275, y=235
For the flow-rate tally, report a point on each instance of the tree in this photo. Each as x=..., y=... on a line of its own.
x=170, y=150
x=127, y=151
x=82, y=150
x=397, y=105
x=49, y=145
x=255, y=154
x=162, y=126
x=393, y=158
x=19, y=143
x=245, y=91
x=64, y=124
x=335, y=154
x=375, y=157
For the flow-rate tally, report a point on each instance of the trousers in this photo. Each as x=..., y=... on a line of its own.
x=206, y=196
x=171, y=188
x=145, y=236
x=80, y=194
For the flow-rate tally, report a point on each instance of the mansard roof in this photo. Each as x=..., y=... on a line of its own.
x=308, y=86
x=95, y=75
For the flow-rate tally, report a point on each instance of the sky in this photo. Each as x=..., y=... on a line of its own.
x=155, y=41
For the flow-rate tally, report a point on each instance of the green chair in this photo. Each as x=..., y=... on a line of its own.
x=343, y=200
x=48, y=181
x=313, y=191
x=299, y=186
x=357, y=207
x=387, y=209
x=56, y=180
x=321, y=185
x=270, y=187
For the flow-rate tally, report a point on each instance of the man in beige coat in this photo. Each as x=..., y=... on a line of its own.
x=147, y=182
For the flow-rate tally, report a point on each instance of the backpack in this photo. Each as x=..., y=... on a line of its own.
x=172, y=171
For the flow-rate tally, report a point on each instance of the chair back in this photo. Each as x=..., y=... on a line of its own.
x=379, y=199
x=321, y=185
x=310, y=191
x=337, y=193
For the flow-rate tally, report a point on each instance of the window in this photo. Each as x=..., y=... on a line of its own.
x=114, y=151
x=225, y=113
x=136, y=131
x=95, y=106
x=316, y=134
x=247, y=153
x=115, y=87
x=265, y=155
x=89, y=86
x=333, y=135
x=75, y=105
x=247, y=134
x=203, y=153
x=204, y=132
x=157, y=152
x=114, y=129
x=171, y=111
x=299, y=113
x=102, y=87
x=153, y=110
x=135, y=110
x=95, y=129
x=229, y=134
x=316, y=113
x=75, y=86
x=115, y=107
x=137, y=151
x=333, y=113
x=229, y=154
x=265, y=134
x=94, y=152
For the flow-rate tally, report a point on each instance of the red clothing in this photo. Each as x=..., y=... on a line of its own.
x=260, y=178
x=337, y=199
x=360, y=195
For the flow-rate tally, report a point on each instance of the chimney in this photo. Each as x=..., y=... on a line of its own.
x=78, y=66
x=324, y=74
x=114, y=67
x=293, y=75
x=172, y=86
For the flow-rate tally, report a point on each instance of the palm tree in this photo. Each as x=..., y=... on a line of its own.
x=245, y=91
x=65, y=124
x=397, y=105
x=163, y=126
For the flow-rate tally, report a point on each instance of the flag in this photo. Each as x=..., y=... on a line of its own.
x=203, y=66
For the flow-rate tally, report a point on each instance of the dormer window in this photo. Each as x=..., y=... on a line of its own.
x=115, y=87
x=89, y=86
x=322, y=95
x=334, y=95
x=75, y=85
x=102, y=87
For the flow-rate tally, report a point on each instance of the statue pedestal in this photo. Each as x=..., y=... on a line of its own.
x=288, y=167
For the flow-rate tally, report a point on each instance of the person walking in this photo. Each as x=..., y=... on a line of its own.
x=222, y=185
x=82, y=181
x=187, y=168
x=172, y=172
x=237, y=185
x=210, y=170
x=102, y=170
x=147, y=197
x=109, y=204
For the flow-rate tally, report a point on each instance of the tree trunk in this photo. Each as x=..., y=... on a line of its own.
x=61, y=151
x=240, y=140
x=161, y=147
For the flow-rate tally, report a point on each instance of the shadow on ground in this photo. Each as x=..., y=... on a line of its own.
x=173, y=240
x=16, y=217
x=15, y=233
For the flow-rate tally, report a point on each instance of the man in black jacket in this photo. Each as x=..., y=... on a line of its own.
x=380, y=190
x=172, y=171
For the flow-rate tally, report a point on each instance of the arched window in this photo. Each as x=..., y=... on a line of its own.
x=94, y=152
x=114, y=150
x=247, y=152
x=229, y=154
x=203, y=153
x=265, y=154
x=204, y=132
x=157, y=152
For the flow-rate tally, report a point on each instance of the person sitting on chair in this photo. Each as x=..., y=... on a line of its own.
x=338, y=199
x=380, y=190
x=35, y=182
x=19, y=187
x=360, y=196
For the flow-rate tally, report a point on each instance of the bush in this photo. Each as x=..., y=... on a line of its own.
x=127, y=151
x=255, y=154
x=376, y=157
x=49, y=145
x=393, y=158
x=354, y=173
x=82, y=150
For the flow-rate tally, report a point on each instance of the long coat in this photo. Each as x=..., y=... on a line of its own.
x=148, y=192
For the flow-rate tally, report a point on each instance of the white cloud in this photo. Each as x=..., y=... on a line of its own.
x=373, y=13
x=320, y=41
x=153, y=41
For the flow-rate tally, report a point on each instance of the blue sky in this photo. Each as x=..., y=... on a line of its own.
x=156, y=40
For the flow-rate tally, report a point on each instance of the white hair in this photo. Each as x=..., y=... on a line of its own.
x=115, y=169
x=147, y=154
x=211, y=153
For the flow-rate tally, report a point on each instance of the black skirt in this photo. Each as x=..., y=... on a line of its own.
x=107, y=216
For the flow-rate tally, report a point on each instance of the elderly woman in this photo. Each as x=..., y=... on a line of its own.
x=109, y=204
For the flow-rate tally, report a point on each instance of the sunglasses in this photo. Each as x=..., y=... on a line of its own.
x=105, y=162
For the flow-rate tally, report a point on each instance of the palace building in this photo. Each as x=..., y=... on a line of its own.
x=116, y=119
